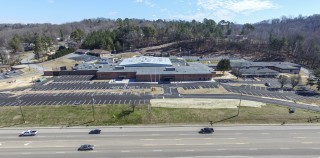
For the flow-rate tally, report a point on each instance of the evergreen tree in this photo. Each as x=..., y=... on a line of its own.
x=15, y=43
x=224, y=65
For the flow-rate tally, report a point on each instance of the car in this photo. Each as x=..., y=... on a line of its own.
x=28, y=133
x=206, y=130
x=85, y=147
x=267, y=84
x=95, y=131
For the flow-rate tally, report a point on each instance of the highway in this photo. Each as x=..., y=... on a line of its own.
x=255, y=141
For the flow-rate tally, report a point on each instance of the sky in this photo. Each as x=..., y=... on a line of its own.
x=237, y=11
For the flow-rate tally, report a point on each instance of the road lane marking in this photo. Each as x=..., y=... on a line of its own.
x=125, y=151
x=241, y=143
x=26, y=144
x=221, y=149
x=299, y=137
x=26, y=153
x=60, y=152
x=253, y=149
x=189, y=150
x=306, y=142
x=157, y=150
x=180, y=144
x=284, y=148
x=150, y=144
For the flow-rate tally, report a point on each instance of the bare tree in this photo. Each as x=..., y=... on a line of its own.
x=133, y=106
x=295, y=80
x=282, y=80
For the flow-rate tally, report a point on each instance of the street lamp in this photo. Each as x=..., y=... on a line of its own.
x=239, y=104
x=93, y=108
x=19, y=103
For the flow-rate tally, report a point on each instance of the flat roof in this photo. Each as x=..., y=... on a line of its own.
x=193, y=68
x=146, y=61
x=258, y=71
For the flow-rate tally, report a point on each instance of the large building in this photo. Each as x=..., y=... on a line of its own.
x=263, y=69
x=144, y=69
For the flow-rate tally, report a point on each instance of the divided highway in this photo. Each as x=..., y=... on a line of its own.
x=165, y=142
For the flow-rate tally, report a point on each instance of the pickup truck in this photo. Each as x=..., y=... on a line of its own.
x=28, y=133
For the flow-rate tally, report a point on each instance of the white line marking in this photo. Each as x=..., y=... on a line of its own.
x=221, y=149
x=284, y=148
x=189, y=150
x=306, y=142
x=157, y=150
x=125, y=151
x=60, y=152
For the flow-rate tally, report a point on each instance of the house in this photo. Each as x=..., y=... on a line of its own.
x=5, y=68
x=99, y=53
x=280, y=67
x=81, y=51
x=257, y=72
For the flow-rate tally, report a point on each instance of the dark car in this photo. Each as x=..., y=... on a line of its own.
x=206, y=130
x=85, y=147
x=95, y=131
x=267, y=84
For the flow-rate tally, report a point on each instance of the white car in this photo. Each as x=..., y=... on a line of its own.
x=28, y=133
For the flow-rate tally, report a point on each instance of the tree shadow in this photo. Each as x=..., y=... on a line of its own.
x=124, y=113
x=225, y=119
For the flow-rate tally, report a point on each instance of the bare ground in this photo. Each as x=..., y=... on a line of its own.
x=203, y=103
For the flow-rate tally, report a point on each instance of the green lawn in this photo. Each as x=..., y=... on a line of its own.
x=123, y=115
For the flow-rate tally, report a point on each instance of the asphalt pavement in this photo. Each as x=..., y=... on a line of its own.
x=255, y=141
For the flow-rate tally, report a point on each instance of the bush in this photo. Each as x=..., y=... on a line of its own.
x=61, y=52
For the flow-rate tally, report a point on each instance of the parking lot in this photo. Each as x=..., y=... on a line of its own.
x=82, y=82
x=76, y=99
x=265, y=92
x=190, y=86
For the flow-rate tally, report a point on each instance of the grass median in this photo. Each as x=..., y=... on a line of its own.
x=124, y=115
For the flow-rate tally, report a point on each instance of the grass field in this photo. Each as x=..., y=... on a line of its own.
x=123, y=115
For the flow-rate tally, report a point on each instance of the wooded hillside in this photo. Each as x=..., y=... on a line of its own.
x=291, y=39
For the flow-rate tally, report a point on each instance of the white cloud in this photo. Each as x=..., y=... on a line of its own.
x=237, y=6
x=225, y=9
x=51, y=1
x=146, y=2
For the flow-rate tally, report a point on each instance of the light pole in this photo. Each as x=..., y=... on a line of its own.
x=239, y=104
x=19, y=103
x=93, y=108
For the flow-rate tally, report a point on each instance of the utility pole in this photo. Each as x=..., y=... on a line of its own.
x=93, y=109
x=239, y=104
x=19, y=102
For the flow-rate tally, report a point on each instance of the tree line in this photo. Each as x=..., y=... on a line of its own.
x=291, y=39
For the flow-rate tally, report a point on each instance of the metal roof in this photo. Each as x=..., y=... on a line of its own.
x=193, y=68
x=257, y=72
x=146, y=61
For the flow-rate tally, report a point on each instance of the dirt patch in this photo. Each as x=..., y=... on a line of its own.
x=22, y=81
x=57, y=63
x=203, y=103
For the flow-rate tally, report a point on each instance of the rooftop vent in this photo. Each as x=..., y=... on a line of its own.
x=119, y=67
x=170, y=68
